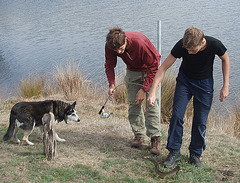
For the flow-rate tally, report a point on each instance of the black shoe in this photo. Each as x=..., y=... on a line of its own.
x=195, y=160
x=173, y=156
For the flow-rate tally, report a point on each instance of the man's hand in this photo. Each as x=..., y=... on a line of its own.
x=225, y=70
x=111, y=90
x=140, y=96
x=151, y=98
x=224, y=93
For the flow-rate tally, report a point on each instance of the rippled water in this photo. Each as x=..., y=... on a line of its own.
x=35, y=36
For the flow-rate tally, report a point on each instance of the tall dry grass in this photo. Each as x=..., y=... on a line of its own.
x=235, y=120
x=31, y=86
x=167, y=94
x=120, y=95
x=65, y=81
x=68, y=82
x=228, y=122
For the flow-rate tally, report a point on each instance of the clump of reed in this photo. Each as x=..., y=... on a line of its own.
x=69, y=83
x=120, y=95
x=66, y=81
x=31, y=86
x=167, y=93
x=236, y=120
x=227, y=120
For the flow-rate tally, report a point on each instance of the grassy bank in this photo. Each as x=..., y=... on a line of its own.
x=98, y=149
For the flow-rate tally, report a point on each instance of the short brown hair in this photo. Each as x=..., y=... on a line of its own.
x=115, y=38
x=193, y=37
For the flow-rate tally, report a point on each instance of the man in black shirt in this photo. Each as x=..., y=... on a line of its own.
x=195, y=79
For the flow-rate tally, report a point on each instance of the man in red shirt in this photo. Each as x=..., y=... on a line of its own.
x=142, y=61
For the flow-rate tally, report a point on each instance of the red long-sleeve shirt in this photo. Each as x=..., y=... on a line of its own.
x=141, y=56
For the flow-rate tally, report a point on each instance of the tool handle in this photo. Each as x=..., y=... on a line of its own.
x=101, y=110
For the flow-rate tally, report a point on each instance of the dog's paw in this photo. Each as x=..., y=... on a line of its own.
x=60, y=140
x=29, y=143
x=18, y=141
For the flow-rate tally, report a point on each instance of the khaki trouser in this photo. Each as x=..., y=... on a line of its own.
x=141, y=125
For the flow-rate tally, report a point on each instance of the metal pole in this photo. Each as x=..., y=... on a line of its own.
x=159, y=36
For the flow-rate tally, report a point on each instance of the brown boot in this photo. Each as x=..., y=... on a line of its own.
x=155, y=145
x=137, y=142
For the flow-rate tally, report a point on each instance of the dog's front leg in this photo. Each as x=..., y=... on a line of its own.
x=25, y=137
x=58, y=138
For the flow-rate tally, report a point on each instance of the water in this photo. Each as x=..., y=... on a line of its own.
x=35, y=36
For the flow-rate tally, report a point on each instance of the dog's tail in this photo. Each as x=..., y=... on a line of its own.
x=11, y=128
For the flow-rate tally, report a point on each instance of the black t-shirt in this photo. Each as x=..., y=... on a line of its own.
x=199, y=66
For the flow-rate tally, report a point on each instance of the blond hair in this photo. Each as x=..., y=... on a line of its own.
x=193, y=37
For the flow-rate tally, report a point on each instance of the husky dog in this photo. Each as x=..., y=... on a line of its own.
x=27, y=115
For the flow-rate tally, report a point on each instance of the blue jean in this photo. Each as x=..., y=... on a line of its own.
x=202, y=93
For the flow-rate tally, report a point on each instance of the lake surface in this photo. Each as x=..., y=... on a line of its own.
x=37, y=36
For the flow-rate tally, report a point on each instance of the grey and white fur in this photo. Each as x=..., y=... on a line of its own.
x=27, y=115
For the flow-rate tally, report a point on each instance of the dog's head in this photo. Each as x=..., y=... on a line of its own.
x=70, y=113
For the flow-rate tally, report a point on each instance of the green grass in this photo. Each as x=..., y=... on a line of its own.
x=77, y=173
x=113, y=164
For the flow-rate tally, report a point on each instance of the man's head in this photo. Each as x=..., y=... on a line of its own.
x=116, y=40
x=193, y=40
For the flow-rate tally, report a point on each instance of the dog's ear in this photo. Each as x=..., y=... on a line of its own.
x=74, y=103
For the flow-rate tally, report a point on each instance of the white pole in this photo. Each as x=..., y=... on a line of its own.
x=159, y=36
